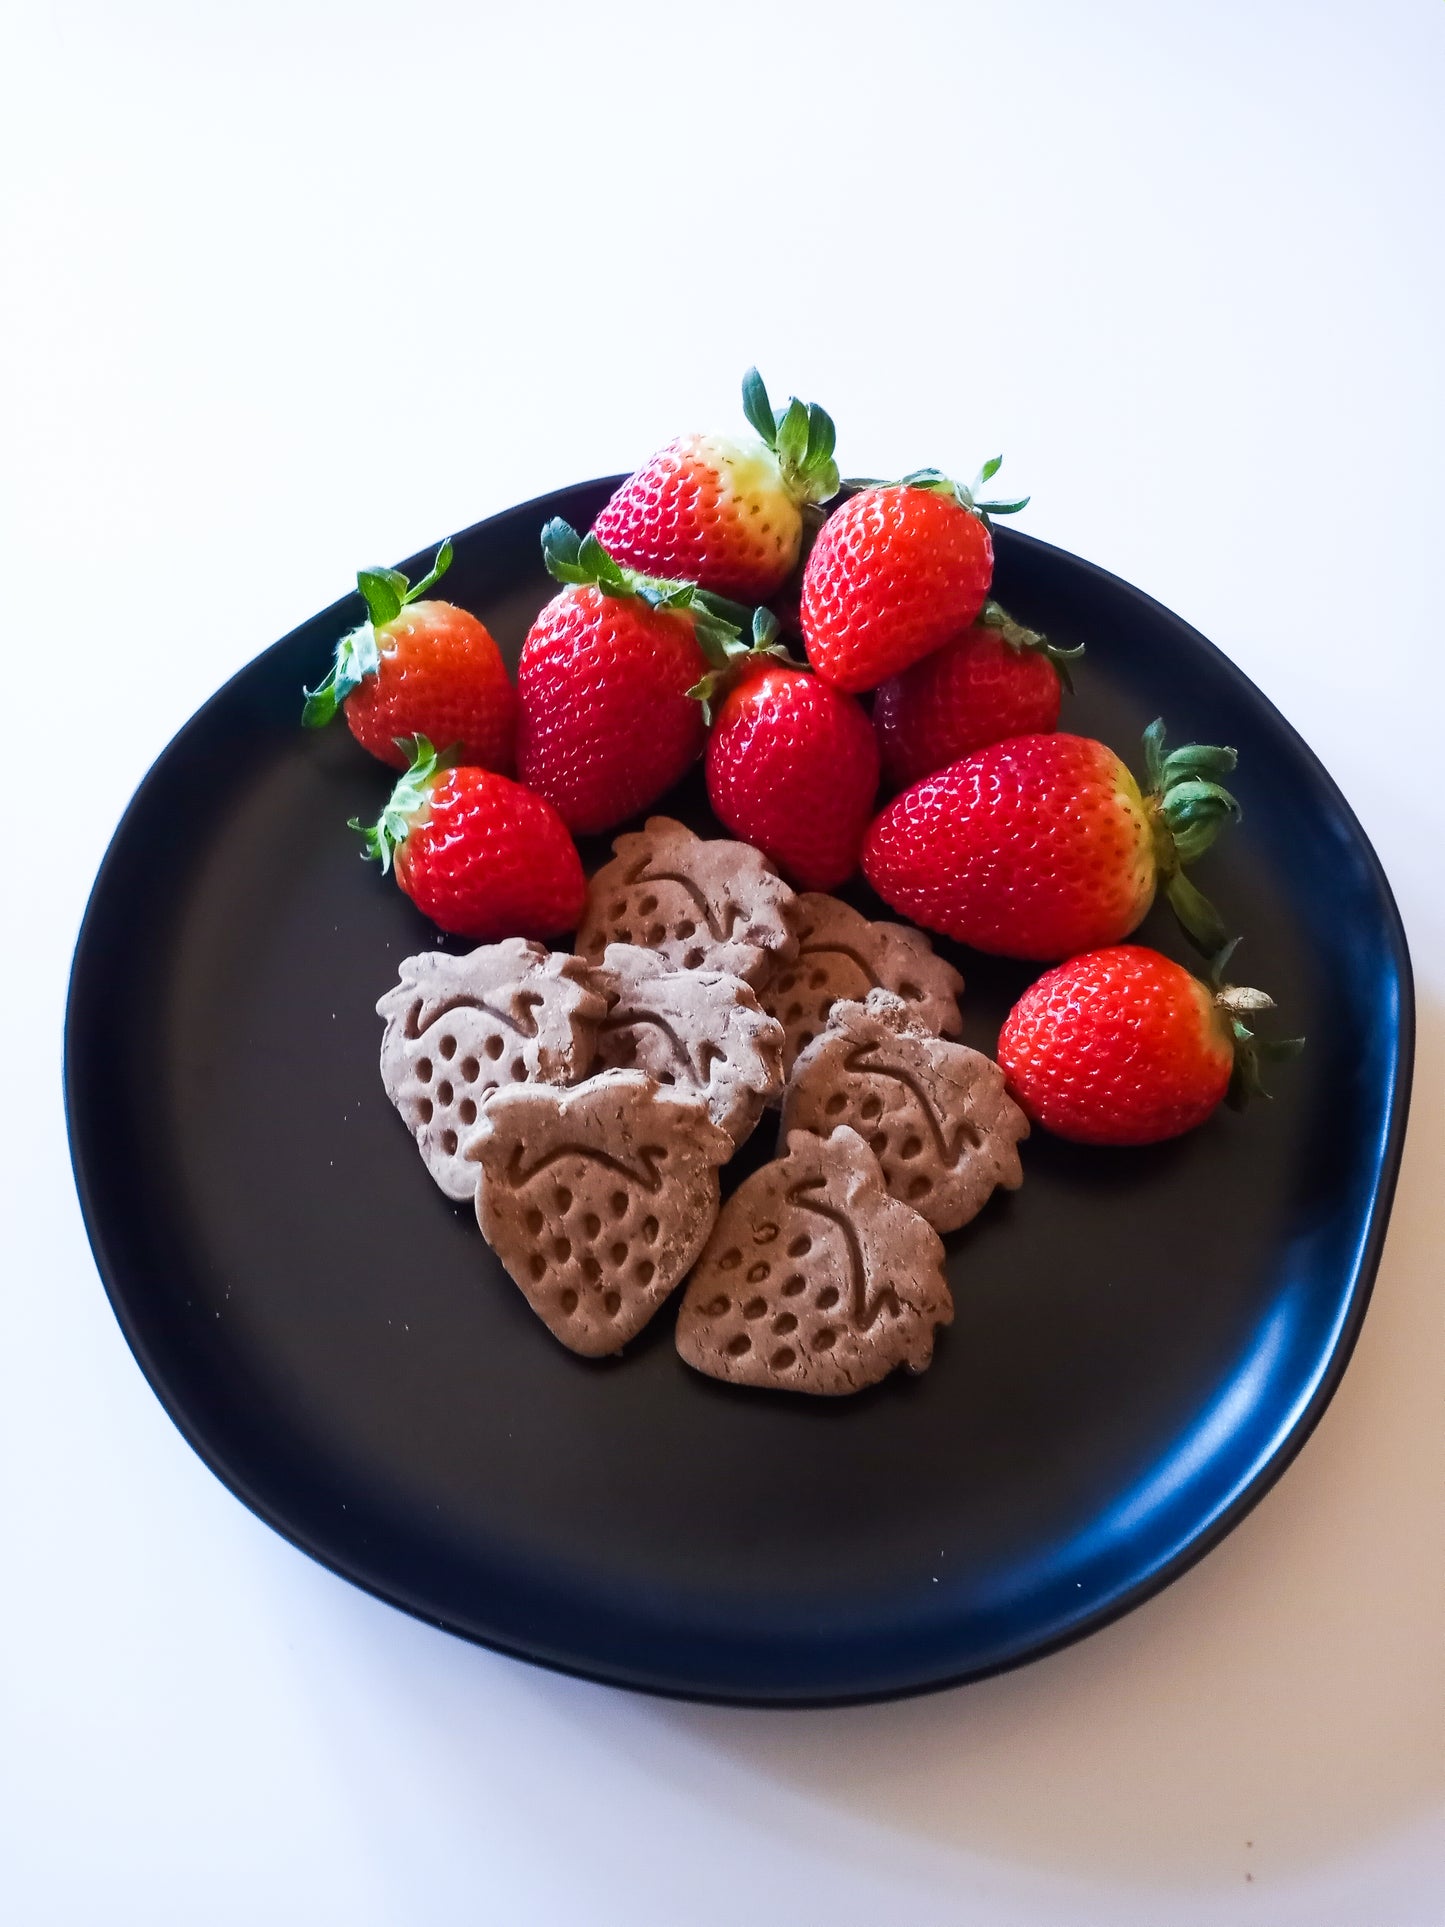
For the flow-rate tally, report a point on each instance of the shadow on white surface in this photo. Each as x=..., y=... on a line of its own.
x=1281, y=1705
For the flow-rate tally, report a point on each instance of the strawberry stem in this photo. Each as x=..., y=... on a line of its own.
x=738, y=657
x=937, y=483
x=1019, y=638
x=1188, y=807
x=405, y=804
x=581, y=560
x=1251, y=1052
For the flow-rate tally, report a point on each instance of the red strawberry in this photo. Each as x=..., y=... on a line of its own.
x=419, y=669
x=477, y=853
x=607, y=722
x=997, y=679
x=1043, y=845
x=792, y=767
x=895, y=572
x=725, y=514
x=1121, y=1046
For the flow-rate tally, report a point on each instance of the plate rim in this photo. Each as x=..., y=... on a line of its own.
x=1360, y=1286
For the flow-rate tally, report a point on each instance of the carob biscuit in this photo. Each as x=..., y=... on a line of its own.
x=458, y=1028
x=597, y=1199
x=701, y=1031
x=842, y=956
x=815, y=1279
x=704, y=903
x=935, y=1114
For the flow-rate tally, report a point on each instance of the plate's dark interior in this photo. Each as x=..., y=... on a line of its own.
x=1141, y=1338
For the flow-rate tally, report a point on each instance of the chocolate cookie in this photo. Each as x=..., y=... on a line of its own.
x=814, y=1279
x=596, y=1199
x=935, y=1114
x=701, y=1031
x=458, y=1028
x=704, y=903
x=841, y=955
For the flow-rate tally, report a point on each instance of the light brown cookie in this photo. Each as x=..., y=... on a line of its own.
x=704, y=903
x=701, y=1031
x=458, y=1028
x=935, y=1114
x=842, y=955
x=597, y=1199
x=814, y=1279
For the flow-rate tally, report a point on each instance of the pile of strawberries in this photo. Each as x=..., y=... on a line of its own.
x=665, y=644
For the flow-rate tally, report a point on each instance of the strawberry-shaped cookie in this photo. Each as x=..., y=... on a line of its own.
x=726, y=514
x=1123, y=1046
x=479, y=854
x=459, y=1028
x=997, y=679
x=597, y=1199
x=607, y=723
x=701, y=1032
x=895, y=572
x=1043, y=845
x=419, y=667
x=935, y=1114
x=814, y=1279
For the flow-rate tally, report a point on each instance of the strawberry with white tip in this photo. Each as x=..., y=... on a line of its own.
x=725, y=513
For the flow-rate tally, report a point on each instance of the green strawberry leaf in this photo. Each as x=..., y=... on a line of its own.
x=411, y=795
x=793, y=437
x=434, y=575
x=1198, y=918
x=758, y=409
x=357, y=657
x=384, y=592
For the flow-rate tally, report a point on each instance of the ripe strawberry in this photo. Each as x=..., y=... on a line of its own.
x=1043, y=845
x=607, y=723
x=997, y=679
x=477, y=853
x=419, y=668
x=792, y=767
x=1121, y=1046
x=728, y=515
x=895, y=572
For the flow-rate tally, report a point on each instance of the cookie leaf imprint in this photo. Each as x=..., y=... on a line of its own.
x=815, y=1279
x=934, y=1113
x=702, y=1032
x=459, y=1028
x=842, y=956
x=704, y=903
x=597, y=1199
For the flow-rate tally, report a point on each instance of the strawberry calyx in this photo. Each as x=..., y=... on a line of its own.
x=802, y=436
x=1019, y=638
x=1188, y=807
x=740, y=658
x=386, y=592
x=937, y=483
x=407, y=804
x=1235, y=1003
x=575, y=561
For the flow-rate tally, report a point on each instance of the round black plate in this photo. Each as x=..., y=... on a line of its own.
x=1142, y=1339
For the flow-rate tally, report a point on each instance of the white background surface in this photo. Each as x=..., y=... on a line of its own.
x=292, y=286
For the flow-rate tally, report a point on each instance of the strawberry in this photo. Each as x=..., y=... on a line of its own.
x=419, y=668
x=997, y=679
x=477, y=853
x=1121, y=1046
x=1043, y=845
x=792, y=766
x=895, y=572
x=725, y=514
x=607, y=723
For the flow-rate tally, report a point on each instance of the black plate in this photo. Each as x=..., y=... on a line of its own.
x=1143, y=1339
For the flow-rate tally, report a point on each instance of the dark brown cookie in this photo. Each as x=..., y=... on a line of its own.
x=935, y=1114
x=704, y=903
x=701, y=1031
x=814, y=1279
x=596, y=1199
x=458, y=1028
x=841, y=956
